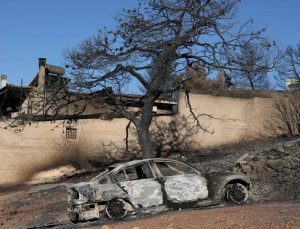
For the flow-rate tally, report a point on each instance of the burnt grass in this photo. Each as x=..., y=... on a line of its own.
x=273, y=165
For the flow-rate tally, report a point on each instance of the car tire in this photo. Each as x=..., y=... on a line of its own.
x=115, y=209
x=236, y=193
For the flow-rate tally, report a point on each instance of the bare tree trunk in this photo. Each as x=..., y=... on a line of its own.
x=145, y=142
x=143, y=129
x=252, y=85
x=251, y=82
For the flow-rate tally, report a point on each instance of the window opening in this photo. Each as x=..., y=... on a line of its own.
x=71, y=133
x=174, y=169
x=137, y=172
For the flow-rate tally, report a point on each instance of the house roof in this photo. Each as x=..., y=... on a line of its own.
x=136, y=96
x=243, y=94
x=14, y=91
x=12, y=96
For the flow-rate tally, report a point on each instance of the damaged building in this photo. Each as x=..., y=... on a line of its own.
x=11, y=99
x=47, y=97
x=54, y=137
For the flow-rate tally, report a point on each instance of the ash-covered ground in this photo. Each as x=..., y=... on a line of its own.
x=273, y=165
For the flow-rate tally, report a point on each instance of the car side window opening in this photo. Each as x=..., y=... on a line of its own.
x=103, y=180
x=174, y=169
x=120, y=176
x=137, y=172
x=100, y=176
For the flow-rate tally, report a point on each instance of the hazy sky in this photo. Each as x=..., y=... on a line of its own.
x=38, y=28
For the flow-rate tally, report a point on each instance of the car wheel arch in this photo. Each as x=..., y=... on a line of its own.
x=240, y=181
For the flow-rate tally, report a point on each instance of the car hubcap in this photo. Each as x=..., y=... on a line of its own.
x=237, y=193
x=116, y=209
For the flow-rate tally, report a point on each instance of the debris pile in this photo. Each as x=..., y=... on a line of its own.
x=274, y=173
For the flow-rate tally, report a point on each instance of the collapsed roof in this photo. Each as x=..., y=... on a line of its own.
x=17, y=100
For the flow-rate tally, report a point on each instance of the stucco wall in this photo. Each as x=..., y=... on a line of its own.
x=232, y=119
x=43, y=145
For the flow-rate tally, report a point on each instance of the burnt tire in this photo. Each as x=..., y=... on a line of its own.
x=115, y=209
x=236, y=193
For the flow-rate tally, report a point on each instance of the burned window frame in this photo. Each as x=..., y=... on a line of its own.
x=123, y=170
x=71, y=133
x=195, y=171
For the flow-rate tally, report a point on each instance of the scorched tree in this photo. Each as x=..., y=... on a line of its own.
x=152, y=44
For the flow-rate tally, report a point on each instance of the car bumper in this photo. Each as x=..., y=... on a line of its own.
x=85, y=212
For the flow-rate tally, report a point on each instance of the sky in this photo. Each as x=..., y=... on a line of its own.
x=39, y=28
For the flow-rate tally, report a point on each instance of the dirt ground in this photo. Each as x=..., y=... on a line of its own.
x=44, y=205
x=284, y=214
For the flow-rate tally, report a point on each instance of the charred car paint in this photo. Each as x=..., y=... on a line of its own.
x=152, y=185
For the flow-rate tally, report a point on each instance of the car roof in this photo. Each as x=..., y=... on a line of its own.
x=134, y=162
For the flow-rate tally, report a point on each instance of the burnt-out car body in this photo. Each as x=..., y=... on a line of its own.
x=152, y=185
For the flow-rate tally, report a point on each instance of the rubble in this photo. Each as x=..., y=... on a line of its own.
x=274, y=173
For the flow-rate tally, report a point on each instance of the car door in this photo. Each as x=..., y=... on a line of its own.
x=181, y=182
x=140, y=184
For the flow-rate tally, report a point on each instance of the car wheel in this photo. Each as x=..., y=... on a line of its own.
x=115, y=209
x=236, y=193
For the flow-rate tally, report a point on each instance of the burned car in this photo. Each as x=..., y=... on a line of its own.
x=152, y=185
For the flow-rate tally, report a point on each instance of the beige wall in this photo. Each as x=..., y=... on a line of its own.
x=43, y=145
x=234, y=119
